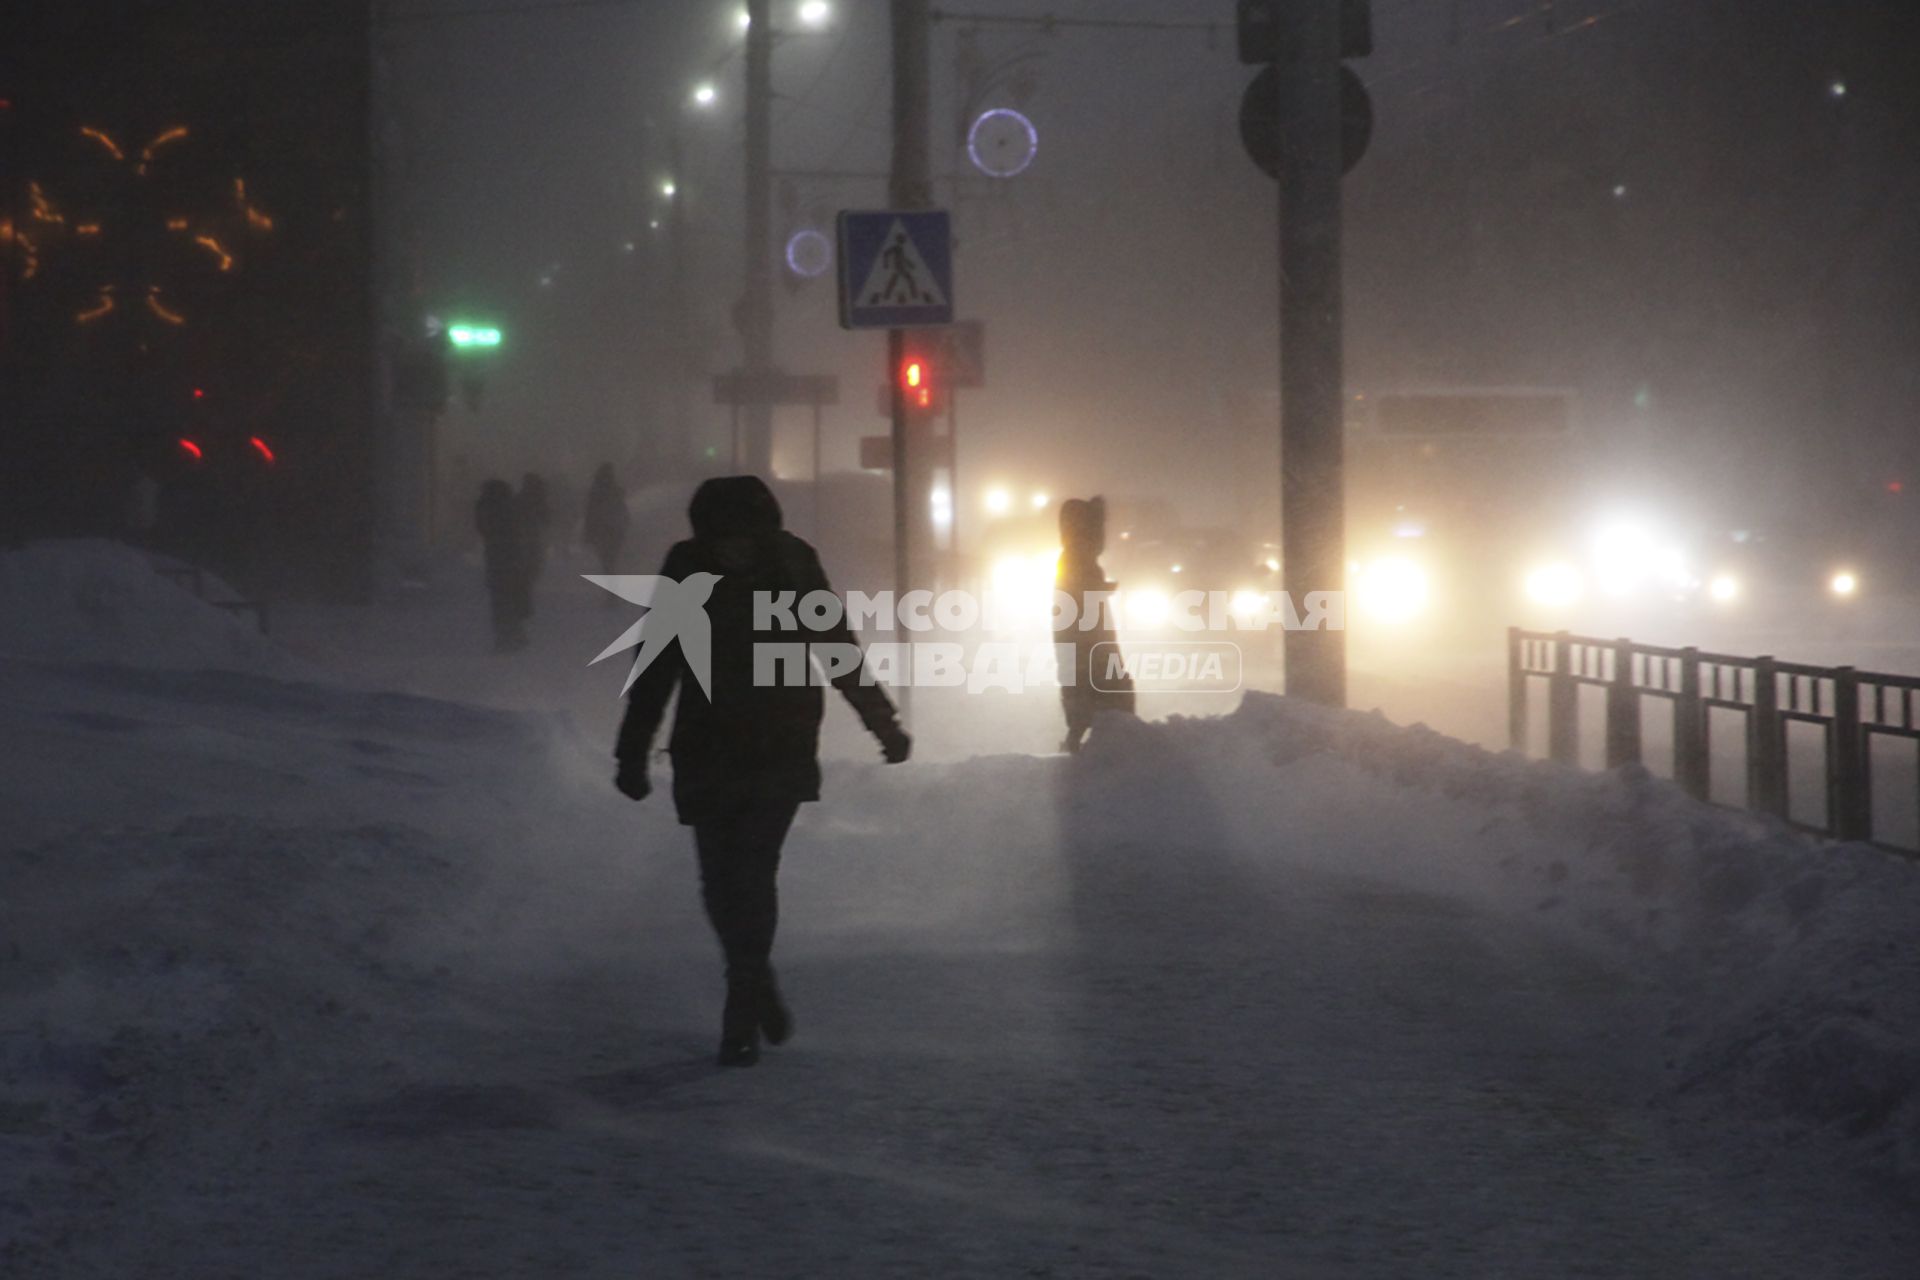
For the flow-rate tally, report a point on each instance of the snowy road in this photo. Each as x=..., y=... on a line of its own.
x=300, y=981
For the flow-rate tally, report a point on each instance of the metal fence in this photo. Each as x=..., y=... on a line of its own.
x=1850, y=708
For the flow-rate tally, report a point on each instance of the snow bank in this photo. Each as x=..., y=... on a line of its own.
x=279, y=914
x=100, y=601
x=1794, y=978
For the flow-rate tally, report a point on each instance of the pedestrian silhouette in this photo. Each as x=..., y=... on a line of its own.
x=503, y=552
x=533, y=510
x=606, y=518
x=900, y=270
x=745, y=754
x=1093, y=687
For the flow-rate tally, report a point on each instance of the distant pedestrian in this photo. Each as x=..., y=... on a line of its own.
x=745, y=754
x=1094, y=687
x=503, y=549
x=606, y=519
x=533, y=515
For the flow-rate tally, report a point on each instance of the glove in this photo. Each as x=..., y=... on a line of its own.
x=633, y=781
x=895, y=745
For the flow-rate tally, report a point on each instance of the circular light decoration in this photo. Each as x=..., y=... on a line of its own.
x=809, y=253
x=1002, y=142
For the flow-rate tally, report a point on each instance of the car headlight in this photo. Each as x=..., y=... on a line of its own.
x=1623, y=552
x=1146, y=607
x=1391, y=590
x=1554, y=585
x=1023, y=586
x=1246, y=604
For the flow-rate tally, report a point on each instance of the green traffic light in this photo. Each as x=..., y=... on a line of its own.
x=473, y=335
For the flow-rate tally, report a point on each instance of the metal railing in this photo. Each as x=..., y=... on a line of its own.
x=1851, y=708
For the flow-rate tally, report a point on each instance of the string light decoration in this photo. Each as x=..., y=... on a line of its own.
x=213, y=237
x=101, y=308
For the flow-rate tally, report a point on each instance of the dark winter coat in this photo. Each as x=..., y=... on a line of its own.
x=750, y=746
x=1083, y=537
x=498, y=525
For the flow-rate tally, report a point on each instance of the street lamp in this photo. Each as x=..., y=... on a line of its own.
x=704, y=95
x=815, y=13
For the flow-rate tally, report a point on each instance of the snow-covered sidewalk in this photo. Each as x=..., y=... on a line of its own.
x=305, y=981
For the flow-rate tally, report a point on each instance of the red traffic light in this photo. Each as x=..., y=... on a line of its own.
x=916, y=382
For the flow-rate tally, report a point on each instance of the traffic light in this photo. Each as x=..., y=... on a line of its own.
x=1267, y=33
x=922, y=387
x=1262, y=35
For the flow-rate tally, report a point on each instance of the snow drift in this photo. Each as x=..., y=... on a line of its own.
x=100, y=601
x=256, y=928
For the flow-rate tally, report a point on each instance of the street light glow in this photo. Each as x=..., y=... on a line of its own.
x=814, y=13
x=667, y=188
x=704, y=95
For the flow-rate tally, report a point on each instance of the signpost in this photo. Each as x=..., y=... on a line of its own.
x=896, y=269
x=896, y=273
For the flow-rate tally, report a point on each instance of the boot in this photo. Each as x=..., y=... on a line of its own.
x=776, y=1020
x=740, y=1024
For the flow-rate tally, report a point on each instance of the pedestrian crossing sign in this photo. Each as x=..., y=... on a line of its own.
x=896, y=269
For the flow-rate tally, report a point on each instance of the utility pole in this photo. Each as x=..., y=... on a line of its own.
x=911, y=187
x=1312, y=394
x=756, y=304
x=681, y=341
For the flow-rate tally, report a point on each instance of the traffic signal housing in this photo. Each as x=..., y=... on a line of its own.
x=1260, y=31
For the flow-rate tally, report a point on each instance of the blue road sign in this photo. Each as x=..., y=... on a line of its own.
x=896, y=269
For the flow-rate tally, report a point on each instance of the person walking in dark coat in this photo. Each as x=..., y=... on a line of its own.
x=503, y=552
x=746, y=756
x=1083, y=537
x=606, y=519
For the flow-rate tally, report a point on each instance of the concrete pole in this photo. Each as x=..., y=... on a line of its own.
x=1312, y=389
x=756, y=309
x=911, y=187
